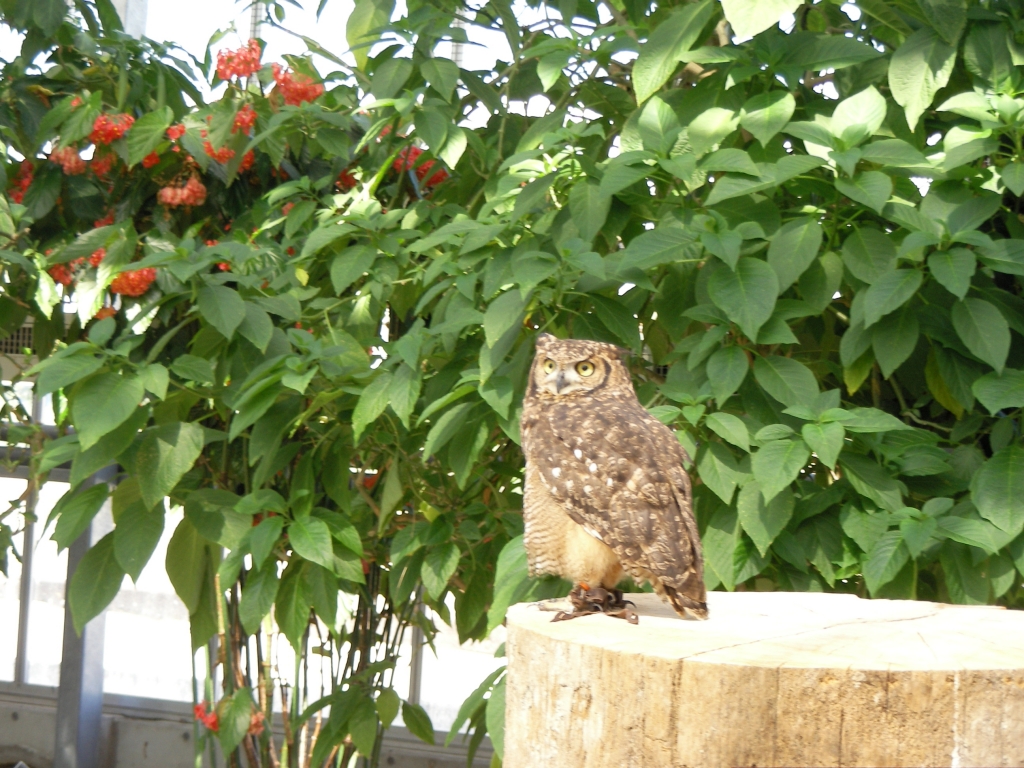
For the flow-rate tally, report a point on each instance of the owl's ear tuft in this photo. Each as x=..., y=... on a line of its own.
x=545, y=338
x=621, y=352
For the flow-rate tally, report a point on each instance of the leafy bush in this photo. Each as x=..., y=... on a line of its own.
x=305, y=311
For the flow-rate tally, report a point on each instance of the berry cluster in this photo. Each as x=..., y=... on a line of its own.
x=346, y=180
x=150, y=160
x=245, y=119
x=241, y=63
x=24, y=179
x=104, y=312
x=133, y=283
x=193, y=193
x=208, y=719
x=69, y=160
x=296, y=88
x=105, y=221
x=61, y=274
x=102, y=162
x=407, y=159
x=97, y=256
x=175, y=132
x=221, y=155
x=108, y=128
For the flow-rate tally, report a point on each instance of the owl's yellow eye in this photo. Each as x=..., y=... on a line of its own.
x=549, y=366
x=586, y=368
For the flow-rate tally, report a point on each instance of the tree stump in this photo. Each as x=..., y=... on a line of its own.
x=770, y=679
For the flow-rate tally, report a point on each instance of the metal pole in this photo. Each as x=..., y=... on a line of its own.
x=27, y=549
x=80, y=696
x=255, y=19
x=416, y=662
x=133, y=15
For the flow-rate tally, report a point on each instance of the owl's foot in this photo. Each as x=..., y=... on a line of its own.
x=586, y=601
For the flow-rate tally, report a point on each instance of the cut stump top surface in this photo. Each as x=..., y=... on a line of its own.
x=801, y=630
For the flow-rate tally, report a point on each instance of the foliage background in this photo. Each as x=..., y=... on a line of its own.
x=823, y=296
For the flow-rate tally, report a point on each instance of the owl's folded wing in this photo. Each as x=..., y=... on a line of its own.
x=621, y=478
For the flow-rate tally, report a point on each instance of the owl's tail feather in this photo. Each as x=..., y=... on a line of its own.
x=685, y=605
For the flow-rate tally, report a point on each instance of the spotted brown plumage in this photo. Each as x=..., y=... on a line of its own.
x=605, y=487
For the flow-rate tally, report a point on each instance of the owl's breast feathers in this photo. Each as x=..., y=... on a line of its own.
x=618, y=472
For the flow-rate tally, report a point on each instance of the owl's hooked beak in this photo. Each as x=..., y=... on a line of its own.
x=559, y=382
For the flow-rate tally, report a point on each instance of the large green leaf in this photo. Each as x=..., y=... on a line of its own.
x=719, y=540
x=890, y=292
x=101, y=404
x=311, y=539
x=659, y=56
x=730, y=428
x=367, y=17
x=793, y=248
x=75, y=511
x=953, y=269
x=763, y=522
x=868, y=254
x=918, y=69
x=894, y=340
x=726, y=369
x=749, y=17
x=589, y=208
x=258, y=597
x=777, y=464
x=746, y=294
x=787, y=380
x=885, y=560
x=372, y=402
x=95, y=583
x=438, y=567
x=222, y=307
x=137, y=533
x=997, y=392
x=997, y=489
x=871, y=188
x=165, y=454
x=983, y=330
x=147, y=132
x=826, y=440
x=767, y=113
x=718, y=471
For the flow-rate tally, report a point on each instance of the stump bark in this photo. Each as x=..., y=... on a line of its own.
x=770, y=679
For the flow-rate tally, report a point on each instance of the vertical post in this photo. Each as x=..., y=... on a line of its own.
x=80, y=696
x=27, y=550
x=416, y=662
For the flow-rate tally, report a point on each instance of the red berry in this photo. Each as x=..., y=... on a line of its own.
x=108, y=128
x=69, y=160
x=241, y=63
x=150, y=160
x=97, y=256
x=296, y=88
x=245, y=119
x=175, y=132
x=133, y=283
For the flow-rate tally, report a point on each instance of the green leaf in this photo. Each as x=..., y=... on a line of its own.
x=95, y=583
x=193, y=368
x=137, y=533
x=997, y=489
x=787, y=380
x=389, y=77
x=496, y=718
x=948, y=17
x=983, y=330
x=1012, y=175
x=763, y=522
x=953, y=269
x=618, y=319
x=859, y=116
x=766, y=114
x=917, y=534
x=372, y=402
x=432, y=127
x=403, y=392
x=725, y=245
x=165, y=454
x=863, y=527
x=443, y=76
x=718, y=471
x=589, y=208
x=894, y=340
x=502, y=314
x=75, y=511
x=659, y=56
x=234, y=713
x=720, y=539
x=777, y=464
x=730, y=428
x=750, y=17
x=258, y=597
x=291, y=608
x=871, y=481
x=966, y=583
x=108, y=448
x=885, y=560
x=662, y=245
x=726, y=370
x=793, y=248
x=222, y=308
x=868, y=254
x=263, y=537
x=659, y=128
x=444, y=428
x=418, y=722
x=388, y=703
x=892, y=152
x=826, y=440
x=103, y=403
x=363, y=726
x=186, y=564
x=146, y=133
x=871, y=188
x=256, y=326
x=1000, y=391
x=918, y=69
x=439, y=566
x=364, y=23
x=890, y=292
x=59, y=372
x=746, y=294
x=730, y=160
x=710, y=127
x=311, y=539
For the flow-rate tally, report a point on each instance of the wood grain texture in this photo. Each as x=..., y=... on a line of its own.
x=771, y=679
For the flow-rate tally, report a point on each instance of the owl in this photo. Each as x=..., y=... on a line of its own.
x=605, y=489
